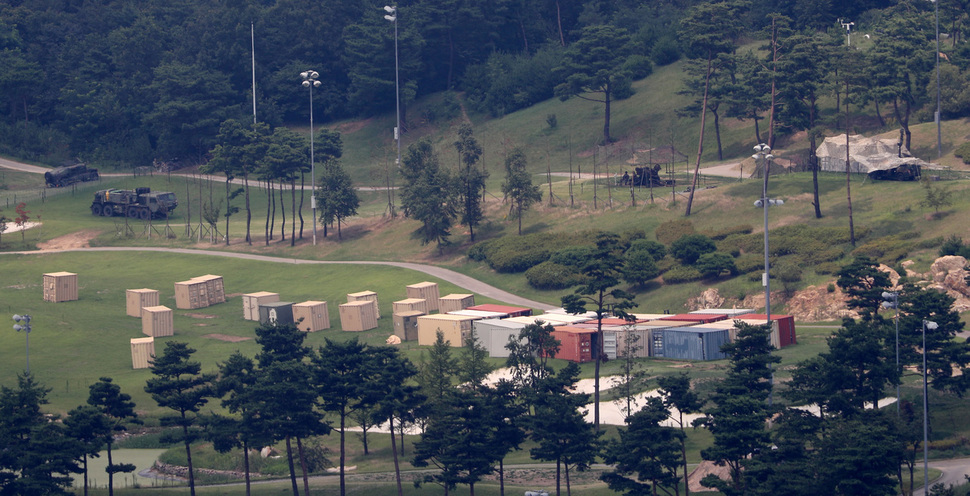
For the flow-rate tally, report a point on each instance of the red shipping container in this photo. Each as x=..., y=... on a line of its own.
x=786, y=326
x=575, y=344
x=696, y=317
x=511, y=311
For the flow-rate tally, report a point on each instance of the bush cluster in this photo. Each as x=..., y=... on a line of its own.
x=887, y=250
x=551, y=275
x=953, y=245
x=682, y=273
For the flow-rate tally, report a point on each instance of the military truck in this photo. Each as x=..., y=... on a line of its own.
x=139, y=203
x=66, y=176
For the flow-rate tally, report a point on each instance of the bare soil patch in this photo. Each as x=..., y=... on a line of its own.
x=200, y=315
x=227, y=338
x=79, y=239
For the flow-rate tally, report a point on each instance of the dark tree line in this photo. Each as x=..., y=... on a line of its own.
x=128, y=82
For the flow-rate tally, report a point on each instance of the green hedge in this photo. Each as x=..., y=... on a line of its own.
x=681, y=273
x=550, y=275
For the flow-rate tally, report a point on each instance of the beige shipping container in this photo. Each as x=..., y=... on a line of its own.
x=365, y=296
x=456, y=329
x=157, y=321
x=455, y=302
x=410, y=305
x=406, y=325
x=252, y=301
x=215, y=288
x=136, y=299
x=60, y=286
x=425, y=290
x=314, y=315
x=358, y=316
x=142, y=350
x=200, y=292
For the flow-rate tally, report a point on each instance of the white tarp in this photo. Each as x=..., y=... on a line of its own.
x=866, y=155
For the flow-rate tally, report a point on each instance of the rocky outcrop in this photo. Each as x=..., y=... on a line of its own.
x=948, y=274
x=817, y=303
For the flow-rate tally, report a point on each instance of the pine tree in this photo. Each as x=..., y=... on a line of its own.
x=178, y=384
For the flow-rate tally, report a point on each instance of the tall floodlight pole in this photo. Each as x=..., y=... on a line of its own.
x=927, y=324
x=25, y=326
x=310, y=81
x=891, y=300
x=848, y=31
x=392, y=17
x=939, y=117
x=763, y=155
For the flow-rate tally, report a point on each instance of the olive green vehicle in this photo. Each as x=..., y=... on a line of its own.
x=139, y=203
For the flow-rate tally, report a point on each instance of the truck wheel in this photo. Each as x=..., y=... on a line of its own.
x=107, y=211
x=96, y=210
x=144, y=213
x=132, y=212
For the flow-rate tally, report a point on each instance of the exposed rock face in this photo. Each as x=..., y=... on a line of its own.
x=710, y=298
x=949, y=276
x=816, y=303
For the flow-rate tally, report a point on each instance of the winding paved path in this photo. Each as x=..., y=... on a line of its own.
x=469, y=283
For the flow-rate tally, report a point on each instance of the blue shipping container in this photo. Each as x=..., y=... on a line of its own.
x=687, y=343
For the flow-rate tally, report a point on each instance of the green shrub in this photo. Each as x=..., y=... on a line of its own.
x=666, y=263
x=730, y=231
x=690, y=247
x=550, y=275
x=789, y=274
x=573, y=256
x=672, y=230
x=682, y=273
x=742, y=243
x=654, y=248
x=827, y=268
x=639, y=267
x=638, y=65
x=888, y=250
x=629, y=236
x=511, y=261
x=665, y=51
x=716, y=264
x=953, y=245
x=929, y=244
x=750, y=262
x=963, y=151
x=830, y=288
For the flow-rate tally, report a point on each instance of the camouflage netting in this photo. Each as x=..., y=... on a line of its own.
x=875, y=156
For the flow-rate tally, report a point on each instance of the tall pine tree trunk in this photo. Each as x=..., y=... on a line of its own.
x=302, y=194
x=306, y=479
x=848, y=175
x=700, y=141
x=293, y=209
x=249, y=212
x=289, y=460
x=188, y=455
x=397, y=464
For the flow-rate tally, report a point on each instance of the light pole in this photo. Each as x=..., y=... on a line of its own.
x=848, y=31
x=763, y=154
x=392, y=17
x=939, y=139
x=25, y=326
x=927, y=324
x=310, y=81
x=891, y=300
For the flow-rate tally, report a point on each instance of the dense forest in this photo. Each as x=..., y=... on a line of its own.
x=124, y=83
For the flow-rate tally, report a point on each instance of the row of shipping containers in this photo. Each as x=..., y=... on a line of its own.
x=693, y=336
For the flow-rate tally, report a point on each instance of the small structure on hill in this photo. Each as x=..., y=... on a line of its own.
x=880, y=158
